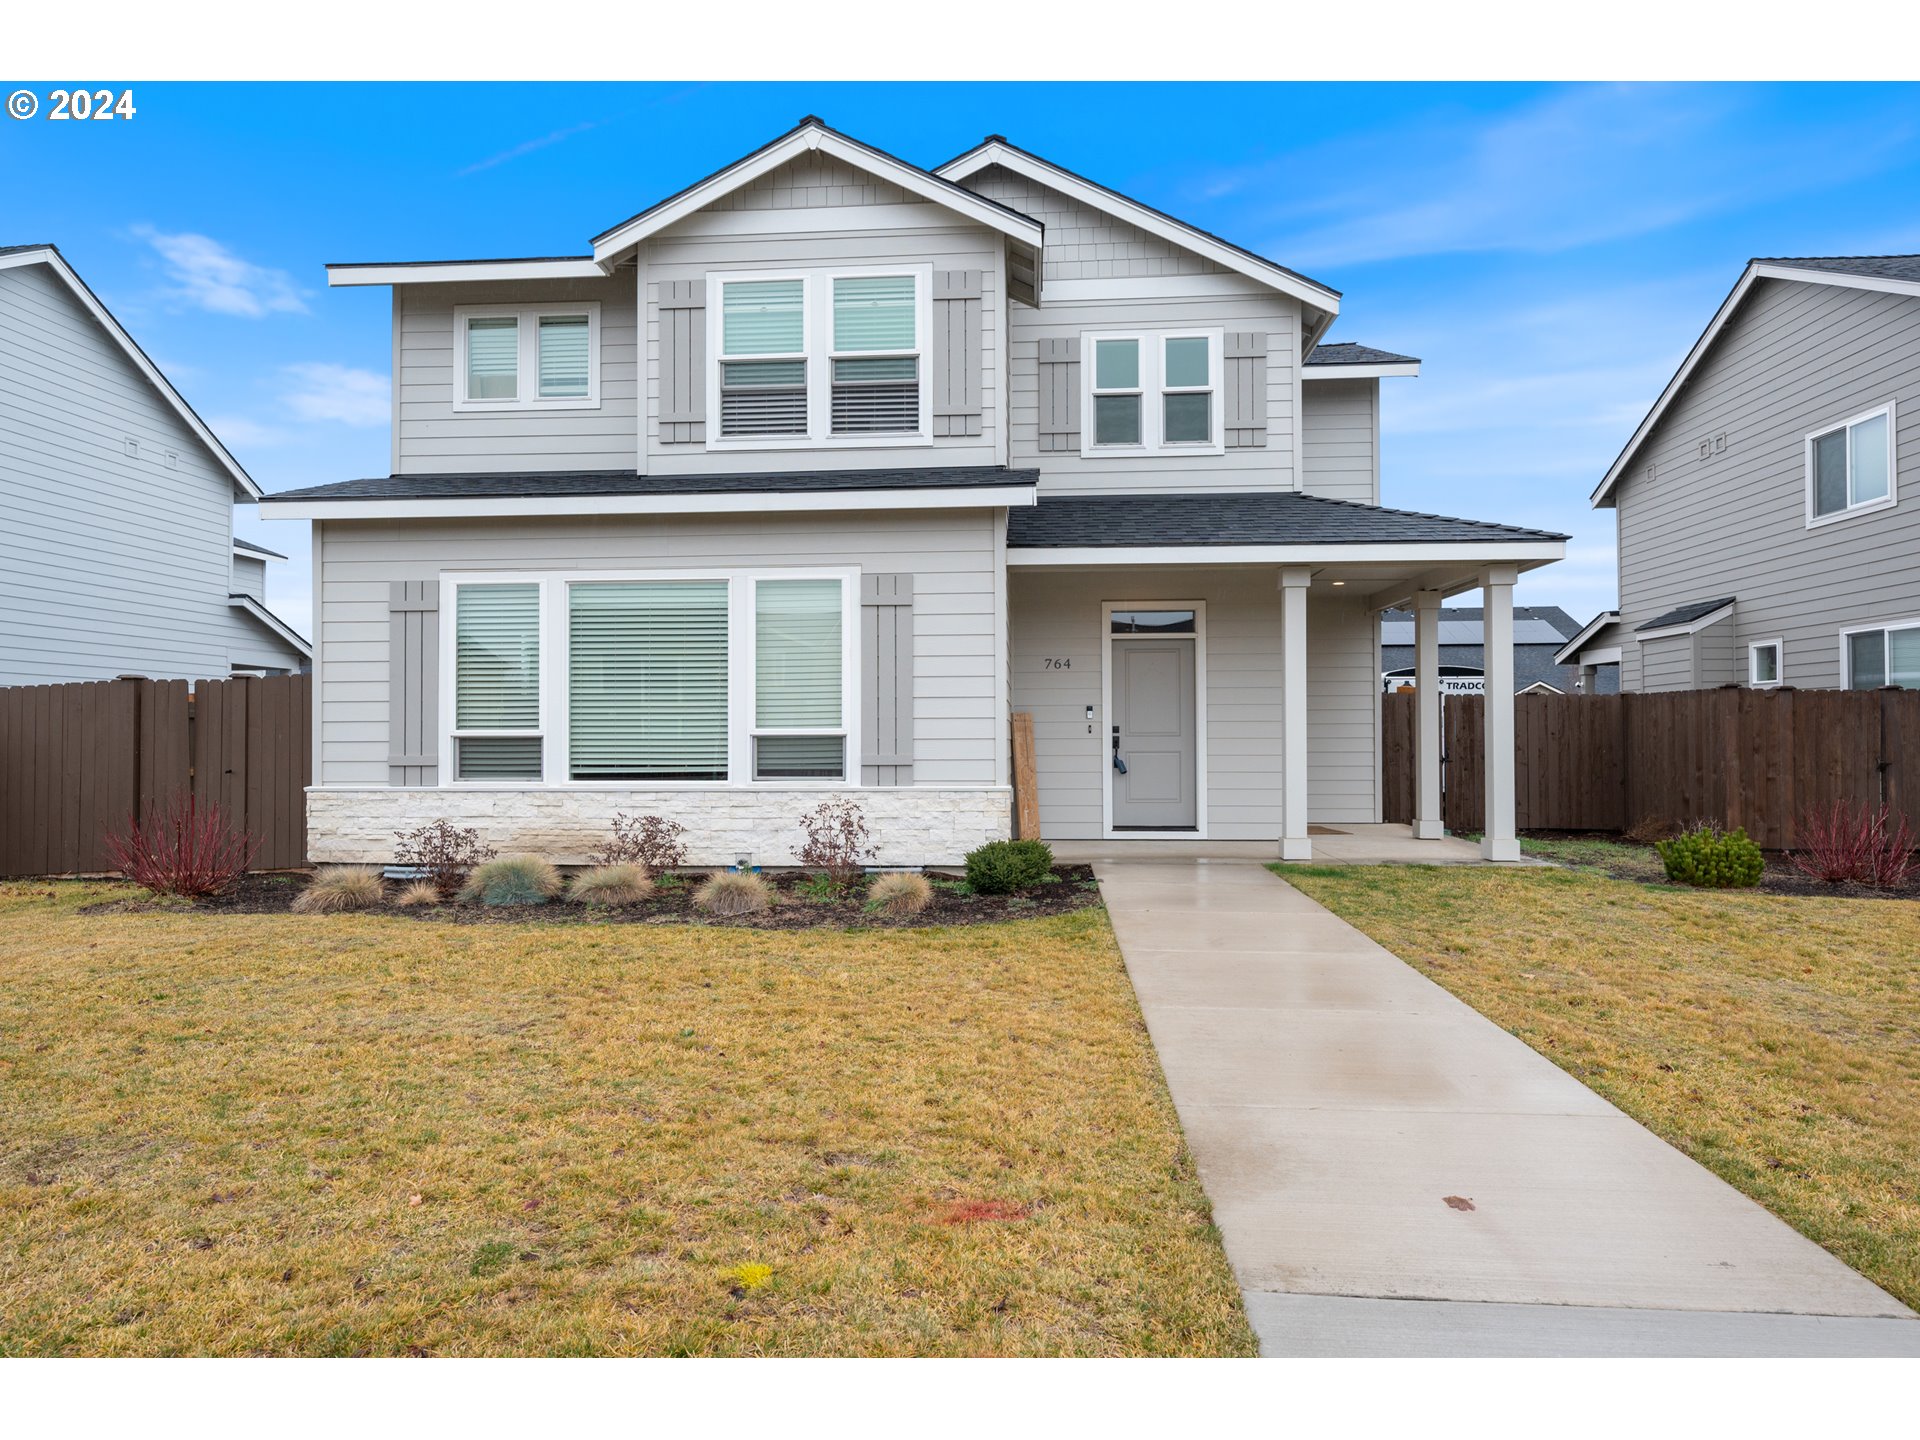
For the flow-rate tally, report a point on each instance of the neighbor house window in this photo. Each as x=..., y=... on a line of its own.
x=819, y=357
x=1884, y=655
x=1154, y=394
x=1763, y=663
x=798, y=685
x=1850, y=467
x=647, y=680
x=497, y=733
x=527, y=357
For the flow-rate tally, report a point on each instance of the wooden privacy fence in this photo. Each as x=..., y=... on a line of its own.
x=77, y=760
x=1753, y=758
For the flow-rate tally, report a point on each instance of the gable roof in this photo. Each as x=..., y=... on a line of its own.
x=812, y=134
x=1899, y=274
x=998, y=150
x=252, y=608
x=1564, y=655
x=50, y=256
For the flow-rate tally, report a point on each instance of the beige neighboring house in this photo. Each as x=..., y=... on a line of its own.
x=803, y=480
x=1767, y=507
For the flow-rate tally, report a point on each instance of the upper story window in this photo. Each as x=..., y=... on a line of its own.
x=527, y=357
x=1154, y=393
x=1850, y=467
x=820, y=357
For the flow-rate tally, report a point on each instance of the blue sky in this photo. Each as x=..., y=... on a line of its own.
x=1549, y=251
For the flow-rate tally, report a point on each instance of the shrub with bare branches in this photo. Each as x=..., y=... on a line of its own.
x=649, y=840
x=443, y=853
x=183, y=847
x=1848, y=844
x=837, y=844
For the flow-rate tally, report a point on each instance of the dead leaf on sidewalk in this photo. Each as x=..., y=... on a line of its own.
x=1458, y=1202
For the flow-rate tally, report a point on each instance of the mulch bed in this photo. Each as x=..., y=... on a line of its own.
x=1071, y=888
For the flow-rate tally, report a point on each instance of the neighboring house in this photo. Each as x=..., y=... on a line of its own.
x=117, y=553
x=1539, y=632
x=1768, y=523
x=808, y=476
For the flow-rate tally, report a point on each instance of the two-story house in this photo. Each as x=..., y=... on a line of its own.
x=808, y=476
x=1768, y=530
x=117, y=552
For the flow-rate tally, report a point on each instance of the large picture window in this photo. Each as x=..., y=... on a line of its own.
x=1154, y=393
x=647, y=680
x=1850, y=467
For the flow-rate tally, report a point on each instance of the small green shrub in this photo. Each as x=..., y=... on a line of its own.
x=821, y=887
x=899, y=893
x=617, y=884
x=1003, y=865
x=1710, y=858
x=341, y=887
x=733, y=892
x=516, y=880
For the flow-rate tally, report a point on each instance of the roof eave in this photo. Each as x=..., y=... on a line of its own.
x=1360, y=371
x=965, y=497
x=446, y=272
x=1593, y=627
x=250, y=606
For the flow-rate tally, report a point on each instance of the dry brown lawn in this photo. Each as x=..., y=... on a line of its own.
x=355, y=1135
x=1775, y=1039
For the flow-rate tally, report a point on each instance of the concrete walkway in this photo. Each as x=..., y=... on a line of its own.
x=1396, y=1175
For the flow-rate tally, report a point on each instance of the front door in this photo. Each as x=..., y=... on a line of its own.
x=1154, y=734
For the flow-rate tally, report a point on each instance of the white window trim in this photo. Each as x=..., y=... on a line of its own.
x=1893, y=477
x=1847, y=632
x=1153, y=391
x=817, y=338
x=555, y=663
x=1105, y=734
x=1779, y=664
x=529, y=356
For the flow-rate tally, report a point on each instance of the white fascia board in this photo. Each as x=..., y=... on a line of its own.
x=1667, y=632
x=272, y=621
x=1592, y=628
x=755, y=502
x=1605, y=655
x=608, y=248
x=1526, y=554
x=1144, y=218
x=52, y=259
x=452, y=271
x=1358, y=372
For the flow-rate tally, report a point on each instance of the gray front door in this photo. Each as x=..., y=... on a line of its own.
x=1153, y=712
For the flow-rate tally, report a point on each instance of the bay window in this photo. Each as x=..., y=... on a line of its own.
x=1883, y=655
x=1155, y=393
x=527, y=357
x=1850, y=467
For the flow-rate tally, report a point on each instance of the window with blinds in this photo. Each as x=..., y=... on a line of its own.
x=647, y=680
x=767, y=395
x=493, y=357
x=798, y=684
x=496, y=688
x=876, y=362
x=564, y=357
x=527, y=357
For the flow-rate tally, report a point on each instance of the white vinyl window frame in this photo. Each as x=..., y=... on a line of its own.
x=1105, y=735
x=1853, y=508
x=451, y=732
x=1779, y=649
x=1153, y=391
x=1886, y=629
x=527, y=374
x=817, y=330
x=555, y=665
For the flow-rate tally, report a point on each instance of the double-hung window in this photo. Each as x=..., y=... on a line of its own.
x=527, y=357
x=497, y=720
x=1156, y=393
x=1850, y=467
x=820, y=357
x=1883, y=655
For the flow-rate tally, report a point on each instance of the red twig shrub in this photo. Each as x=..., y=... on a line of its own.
x=443, y=852
x=183, y=848
x=1846, y=844
x=649, y=840
x=837, y=844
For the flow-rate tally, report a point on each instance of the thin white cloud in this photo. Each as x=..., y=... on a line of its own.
x=338, y=393
x=238, y=430
x=529, y=146
x=208, y=276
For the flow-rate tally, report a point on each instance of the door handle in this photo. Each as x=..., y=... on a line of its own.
x=1118, y=764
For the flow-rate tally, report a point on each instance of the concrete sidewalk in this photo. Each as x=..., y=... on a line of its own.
x=1372, y=1145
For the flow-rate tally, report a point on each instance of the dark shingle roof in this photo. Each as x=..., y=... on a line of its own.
x=253, y=549
x=1884, y=267
x=1347, y=353
x=1287, y=518
x=537, y=484
x=1462, y=625
x=1685, y=614
x=16, y=249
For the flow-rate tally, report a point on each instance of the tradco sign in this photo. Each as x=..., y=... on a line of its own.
x=1454, y=680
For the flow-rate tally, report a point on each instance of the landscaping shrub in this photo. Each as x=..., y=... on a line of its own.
x=733, y=892
x=420, y=892
x=183, y=848
x=517, y=880
x=446, y=853
x=341, y=887
x=1841, y=844
x=837, y=844
x=899, y=894
x=1710, y=858
x=652, y=841
x=1003, y=865
x=614, y=884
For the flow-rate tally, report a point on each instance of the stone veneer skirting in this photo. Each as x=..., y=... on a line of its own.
x=910, y=825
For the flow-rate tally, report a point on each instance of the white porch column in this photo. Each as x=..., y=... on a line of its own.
x=1499, y=841
x=1294, y=843
x=1426, y=705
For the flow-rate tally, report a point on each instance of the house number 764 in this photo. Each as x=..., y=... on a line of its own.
x=1054, y=663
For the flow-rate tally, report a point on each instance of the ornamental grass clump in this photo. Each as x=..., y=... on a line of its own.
x=733, y=892
x=516, y=880
x=621, y=884
x=342, y=887
x=1001, y=866
x=420, y=892
x=1710, y=858
x=899, y=893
